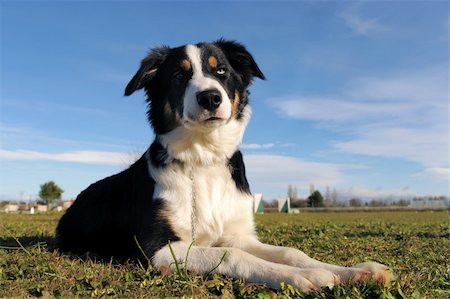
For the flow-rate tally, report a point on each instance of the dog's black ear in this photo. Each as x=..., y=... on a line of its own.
x=148, y=69
x=241, y=60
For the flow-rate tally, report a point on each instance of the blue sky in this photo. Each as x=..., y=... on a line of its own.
x=356, y=99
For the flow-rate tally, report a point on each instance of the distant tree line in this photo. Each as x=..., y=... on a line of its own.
x=429, y=198
x=330, y=199
x=317, y=200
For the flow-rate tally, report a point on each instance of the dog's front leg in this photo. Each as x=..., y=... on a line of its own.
x=236, y=263
x=294, y=257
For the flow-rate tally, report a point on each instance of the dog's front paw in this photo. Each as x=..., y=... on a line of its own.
x=366, y=272
x=300, y=282
x=311, y=280
x=320, y=277
x=373, y=271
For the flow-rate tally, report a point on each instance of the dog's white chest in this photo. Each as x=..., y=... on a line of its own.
x=210, y=194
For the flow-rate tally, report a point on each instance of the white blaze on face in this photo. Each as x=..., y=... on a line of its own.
x=192, y=110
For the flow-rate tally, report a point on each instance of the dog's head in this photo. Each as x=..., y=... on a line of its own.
x=197, y=86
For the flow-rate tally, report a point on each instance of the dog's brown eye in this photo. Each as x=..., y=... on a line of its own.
x=178, y=75
x=221, y=71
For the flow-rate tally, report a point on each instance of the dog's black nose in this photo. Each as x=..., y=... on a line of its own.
x=209, y=99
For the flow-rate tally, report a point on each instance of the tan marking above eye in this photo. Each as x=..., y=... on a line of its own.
x=186, y=65
x=212, y=61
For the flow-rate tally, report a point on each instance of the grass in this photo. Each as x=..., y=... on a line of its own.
x=415, y=244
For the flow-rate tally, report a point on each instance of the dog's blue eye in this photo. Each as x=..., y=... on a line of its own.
x=221, y=71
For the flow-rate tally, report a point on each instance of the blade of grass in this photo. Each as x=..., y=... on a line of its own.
x=143, y=253
x=186, y=258
x=17, y=240
x=220, y=262
x=177, y=266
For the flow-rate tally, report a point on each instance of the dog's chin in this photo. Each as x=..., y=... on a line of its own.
x=204, y=121
x=214, y=121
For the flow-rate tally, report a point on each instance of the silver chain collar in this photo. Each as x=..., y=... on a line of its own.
x=193, y=207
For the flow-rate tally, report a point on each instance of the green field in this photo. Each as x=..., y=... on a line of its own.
x=416, y=245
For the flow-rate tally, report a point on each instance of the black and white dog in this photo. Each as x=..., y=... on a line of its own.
x=190, y=186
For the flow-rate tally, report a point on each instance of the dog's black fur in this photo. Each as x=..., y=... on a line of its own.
x=107, y=217
x=112, y=215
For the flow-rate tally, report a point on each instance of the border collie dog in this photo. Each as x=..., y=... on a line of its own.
x=190, y=187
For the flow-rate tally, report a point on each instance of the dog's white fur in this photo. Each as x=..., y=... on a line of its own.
x=199, y=82
x=226, y=240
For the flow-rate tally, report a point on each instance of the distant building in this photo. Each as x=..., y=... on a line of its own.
x=11, y=208
x=61, y=205
x=42, y=208
x=434, y=203
x=33, y=207
x=67, y=204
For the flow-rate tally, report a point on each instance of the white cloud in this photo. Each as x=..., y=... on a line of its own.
x=441, y=172
x=412, y=97
x=404, y=115
x=86, y=157
x=257, y=146
x=11, y=130
x=339, y=110
x=358, y=24
x=428, y=147
x=426, y=86
x=267, y=173
x=272, y=173
x=436, y=173
x=377, y=193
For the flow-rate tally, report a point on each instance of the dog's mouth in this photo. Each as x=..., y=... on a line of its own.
x=206, y=121
x=206, y=118
x=213, y=119
x=214, y=122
